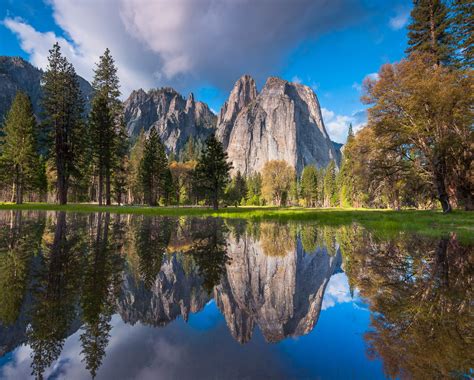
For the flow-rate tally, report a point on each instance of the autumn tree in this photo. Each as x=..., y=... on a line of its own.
x=424, y=112
x=277, y=178
x=20, y=162
x=212, y=172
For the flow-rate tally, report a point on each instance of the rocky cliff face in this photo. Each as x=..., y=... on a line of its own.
x=281, y=294
x=283, y=122
x=17, y=74
x=176, y=119
x=174, y=293
x=243, y=93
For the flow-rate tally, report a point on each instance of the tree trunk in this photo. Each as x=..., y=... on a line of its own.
x=215, y=202
x=108, y=199
x=439, y=174
x=19, y=192
x=101, y=188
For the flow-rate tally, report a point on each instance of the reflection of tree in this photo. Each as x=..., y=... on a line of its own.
x=56, y=291
x=209, y=250
x=150, y=239
x=420, y=291
x=102, y=269
x=277, y=239
x=19, y=242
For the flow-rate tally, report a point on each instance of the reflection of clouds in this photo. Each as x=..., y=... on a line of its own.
x=337, y=291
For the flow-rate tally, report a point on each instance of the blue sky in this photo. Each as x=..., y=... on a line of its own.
x=203, y=46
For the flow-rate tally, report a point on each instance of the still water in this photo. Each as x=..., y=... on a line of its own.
x=135, y=297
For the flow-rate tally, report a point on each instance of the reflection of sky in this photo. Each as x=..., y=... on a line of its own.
x=204, y=348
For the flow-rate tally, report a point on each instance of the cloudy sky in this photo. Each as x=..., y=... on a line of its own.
x=204, y=46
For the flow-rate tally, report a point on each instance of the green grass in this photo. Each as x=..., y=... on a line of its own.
x=385, y=221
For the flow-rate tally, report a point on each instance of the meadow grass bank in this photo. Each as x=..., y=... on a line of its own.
x=384, y=221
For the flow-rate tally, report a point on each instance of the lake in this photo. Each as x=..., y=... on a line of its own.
x=137, y=297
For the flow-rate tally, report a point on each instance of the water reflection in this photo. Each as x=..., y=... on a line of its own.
x=81, y=276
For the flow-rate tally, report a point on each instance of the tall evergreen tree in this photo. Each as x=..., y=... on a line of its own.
x=429, y=30
x=212, y=171
x=133, y=176
x=102, y=137
x=309, y=185
x=63, y=106
x=20, y=161
x=463, y=25
x=330, y=185
x=107, y=130
x=153, y=167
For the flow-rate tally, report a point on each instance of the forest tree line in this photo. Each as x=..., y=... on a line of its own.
x=416, y=150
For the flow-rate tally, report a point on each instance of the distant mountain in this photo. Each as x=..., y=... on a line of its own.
x=176, y=118
x=282, y=122
x=18, y=74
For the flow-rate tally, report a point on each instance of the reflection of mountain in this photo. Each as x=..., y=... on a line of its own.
x=176, y=291
x=281, y=294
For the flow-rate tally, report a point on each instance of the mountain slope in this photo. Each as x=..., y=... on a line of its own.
x=18, y=74
x=282, y=122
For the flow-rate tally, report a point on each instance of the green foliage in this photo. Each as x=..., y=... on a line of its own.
x=429, y=30
x=109, y=139
x=463, y=25
x=330, y=191
x=212, y=172
x=277, y=180
x=236, y=190
x=254, y=190
x=20, y=162
x=63, y=107
x=153, y=169
x=309, y=185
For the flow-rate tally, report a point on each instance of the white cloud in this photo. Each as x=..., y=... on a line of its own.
x=296, y=79
x=337, y=291
x=183, y=43
x=358, y=86
x=337, y=126
x=400, y=19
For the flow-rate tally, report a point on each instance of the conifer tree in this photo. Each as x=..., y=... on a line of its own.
x=429, y=30
x=212, y=171
x=63, y=106
x=309, y=185
x=330, y=185
x=107, y=130
x=133, y=175
x=463, y=25
x=20, y=161
x=153, y=167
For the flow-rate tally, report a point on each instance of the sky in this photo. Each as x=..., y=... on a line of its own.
x=204, y=46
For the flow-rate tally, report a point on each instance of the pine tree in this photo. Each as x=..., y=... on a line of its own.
x=153, y=167
x=309, y=185
x=121, y=163
x=212, y=171
x=463, y=25
x=20, y=161
x=102, y=136
x=63, y=107
x=429, y=30
x=107, y=131
x=330, y=185
x=133, y=177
